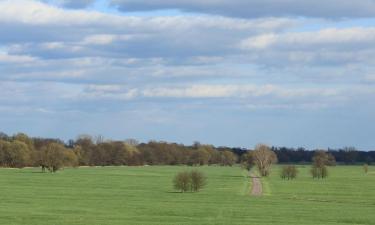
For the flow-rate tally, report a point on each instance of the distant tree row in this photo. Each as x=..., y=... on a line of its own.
x=52, y=154
x=21, y=151
x=346, y=155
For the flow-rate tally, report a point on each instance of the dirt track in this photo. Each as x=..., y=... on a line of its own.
x=256, y=189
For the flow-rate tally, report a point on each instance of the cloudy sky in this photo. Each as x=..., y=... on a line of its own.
x=236, y=73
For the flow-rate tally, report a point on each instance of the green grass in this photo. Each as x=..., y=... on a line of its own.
x=144, y=195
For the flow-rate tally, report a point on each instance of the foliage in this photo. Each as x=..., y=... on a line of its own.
x=319, y=167
x=189, y=181
x=19, y=151
x=289, y=172
x=263, y=158
x=227, y=158
x=182, y=181
x=53, y=157
x=247, y=161
x=198, y=180
x=319, y=172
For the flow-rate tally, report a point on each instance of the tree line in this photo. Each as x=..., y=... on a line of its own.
x=20, y=150
x=346, y=155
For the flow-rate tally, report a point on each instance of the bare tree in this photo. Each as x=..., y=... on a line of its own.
x=264, y=157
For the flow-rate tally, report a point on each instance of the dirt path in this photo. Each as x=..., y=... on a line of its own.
x=256, y=189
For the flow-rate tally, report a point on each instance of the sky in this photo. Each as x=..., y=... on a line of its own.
x=230, y=73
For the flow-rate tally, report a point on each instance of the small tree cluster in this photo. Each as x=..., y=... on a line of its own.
x=192, y=181
x=182, y=181
x=289, y=172
x=319, y=166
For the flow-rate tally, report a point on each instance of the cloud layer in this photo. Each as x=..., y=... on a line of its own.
x=188, y=72
x=258, y=8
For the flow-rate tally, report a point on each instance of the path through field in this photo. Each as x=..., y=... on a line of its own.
x=256, y=189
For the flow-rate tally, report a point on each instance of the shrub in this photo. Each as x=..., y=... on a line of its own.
x=289, y=172
x=189, y=181
x=198, y=180
x=182, y=181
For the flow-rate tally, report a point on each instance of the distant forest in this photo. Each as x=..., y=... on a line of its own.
x=20, y=150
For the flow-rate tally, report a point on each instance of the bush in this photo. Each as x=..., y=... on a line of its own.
x=189, y=181
x=289, y=172
x=365, y=168
x=182, y=181
x=198, y=180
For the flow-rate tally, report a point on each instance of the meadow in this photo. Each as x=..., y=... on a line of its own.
x=145, y=196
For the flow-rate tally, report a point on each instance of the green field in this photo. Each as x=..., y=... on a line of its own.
x=144, y=195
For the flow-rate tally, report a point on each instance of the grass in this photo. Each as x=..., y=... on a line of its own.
x=144, y=196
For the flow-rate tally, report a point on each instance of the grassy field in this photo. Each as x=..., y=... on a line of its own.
x=144, y=195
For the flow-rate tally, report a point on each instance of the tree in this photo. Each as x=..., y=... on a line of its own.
x=289, y=172
x=53, y=157
x=247, y=161
x=320, y=161
x=70, y=158
x=319, y=172
x=227, y=158
x=182, y=181
x=189, y=181
x=264, y=157
x=4, y=149
x=199, y=157
x=365, y=168
x=16, y=154
x=198, y=180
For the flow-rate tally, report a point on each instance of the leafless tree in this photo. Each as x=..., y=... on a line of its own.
x=264, y=157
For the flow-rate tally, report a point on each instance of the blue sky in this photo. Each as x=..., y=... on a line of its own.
x=236, y=73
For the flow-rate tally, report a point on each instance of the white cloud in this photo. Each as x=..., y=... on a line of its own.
x=327, y=38
x=6, y=58
x=258, y=8
x=33, y=12
x=237, y=91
